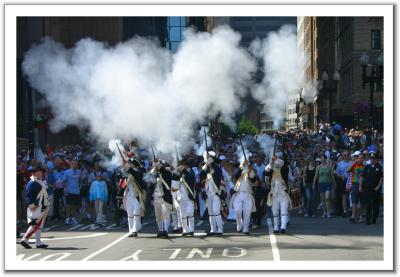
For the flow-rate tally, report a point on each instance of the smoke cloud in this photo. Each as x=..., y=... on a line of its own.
x=283, y=65
x=140, y=90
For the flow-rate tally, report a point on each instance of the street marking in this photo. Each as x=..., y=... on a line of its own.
x=21, y=257
x=112, y=226
x=199, y=252
x=134, y=257
x=77, y=237
x=175, y=253
x=272, y=239
x=75, y=227
x=105, y=248
x=63, y=256
x=200, y=234
x=49, y=228
x=243, y=252
x=91, y=227
x=199, y=223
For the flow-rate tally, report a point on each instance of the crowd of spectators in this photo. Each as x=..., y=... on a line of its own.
x=329, y=170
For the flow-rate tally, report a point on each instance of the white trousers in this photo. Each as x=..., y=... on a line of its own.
x=214, y=211
x=132, y=207
x=280, y=205
x=176, y=212
x=187, y=215
x=162, y=211
x=243, y=204
x=36, y=229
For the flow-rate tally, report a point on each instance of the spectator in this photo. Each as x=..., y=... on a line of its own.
x=72, y=184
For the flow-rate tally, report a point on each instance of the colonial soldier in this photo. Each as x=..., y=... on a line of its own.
x=242, y=200
x=162, y=198
x=279, y=196
x=211, y=174
x=176, y=213
x=186, y=194
x=134, y=195
x=36, y=199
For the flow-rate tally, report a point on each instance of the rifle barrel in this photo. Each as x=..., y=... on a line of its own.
x=119, y=150
x=241, y=144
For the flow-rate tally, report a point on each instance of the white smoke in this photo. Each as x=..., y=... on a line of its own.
x=283, y=68
x=239, y=151
x=201, y=148
x=267, y=144
x=138, y=89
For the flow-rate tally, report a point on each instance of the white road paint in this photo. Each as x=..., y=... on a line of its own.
x=62, y=256
x=200, y=253
x=21, y=257
x=90, y=227
x=175, y=253
x=226, y=252
x=112, y=227
x=75, y=227
x=199, y=223
x=134, y=256
x=105, y=248
x=76, y=237
x=272, y=239
x=49, y=228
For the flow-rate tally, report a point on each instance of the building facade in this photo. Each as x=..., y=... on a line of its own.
x=334, y=46
x=351, y=105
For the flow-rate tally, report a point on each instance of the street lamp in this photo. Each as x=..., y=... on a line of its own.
x=375, y=77
x=298, y=112
x=324, y=85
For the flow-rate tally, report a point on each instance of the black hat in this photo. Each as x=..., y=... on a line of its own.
x=134, y=162
x=36, y=167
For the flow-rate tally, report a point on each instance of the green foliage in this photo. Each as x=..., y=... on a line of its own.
x=246, y=127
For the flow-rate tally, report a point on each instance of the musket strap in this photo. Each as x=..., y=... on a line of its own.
x=183, y=181
x=165, y=183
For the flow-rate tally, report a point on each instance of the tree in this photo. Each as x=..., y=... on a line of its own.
x=246, y=127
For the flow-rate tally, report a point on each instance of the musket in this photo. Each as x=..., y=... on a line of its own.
x=177, y=155
x=276, y=140
x=241, y=144
x=152, y=151
x=205, y=137
x=119, y=150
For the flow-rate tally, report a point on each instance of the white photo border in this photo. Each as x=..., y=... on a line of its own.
x=10, y=39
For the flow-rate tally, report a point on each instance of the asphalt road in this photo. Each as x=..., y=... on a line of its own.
x=311, y=239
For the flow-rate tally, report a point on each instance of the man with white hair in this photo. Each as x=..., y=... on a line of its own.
x=211, y=174
x=280, y=197
x=242, y=199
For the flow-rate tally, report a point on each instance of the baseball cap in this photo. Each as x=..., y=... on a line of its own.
x=356, y=153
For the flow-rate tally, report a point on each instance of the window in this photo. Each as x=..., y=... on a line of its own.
x=376, y=39
x=175, y=26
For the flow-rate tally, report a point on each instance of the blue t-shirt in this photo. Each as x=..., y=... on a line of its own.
x=72, y=181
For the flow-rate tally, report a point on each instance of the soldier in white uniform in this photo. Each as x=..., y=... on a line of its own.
x=280, y=198
x=185, y=197
x=242, y=200
x=211, y=174
x=134, y=195
x=162, y=198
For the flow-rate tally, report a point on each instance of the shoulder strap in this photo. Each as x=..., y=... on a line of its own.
x=164, y=183
x=183, y=181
